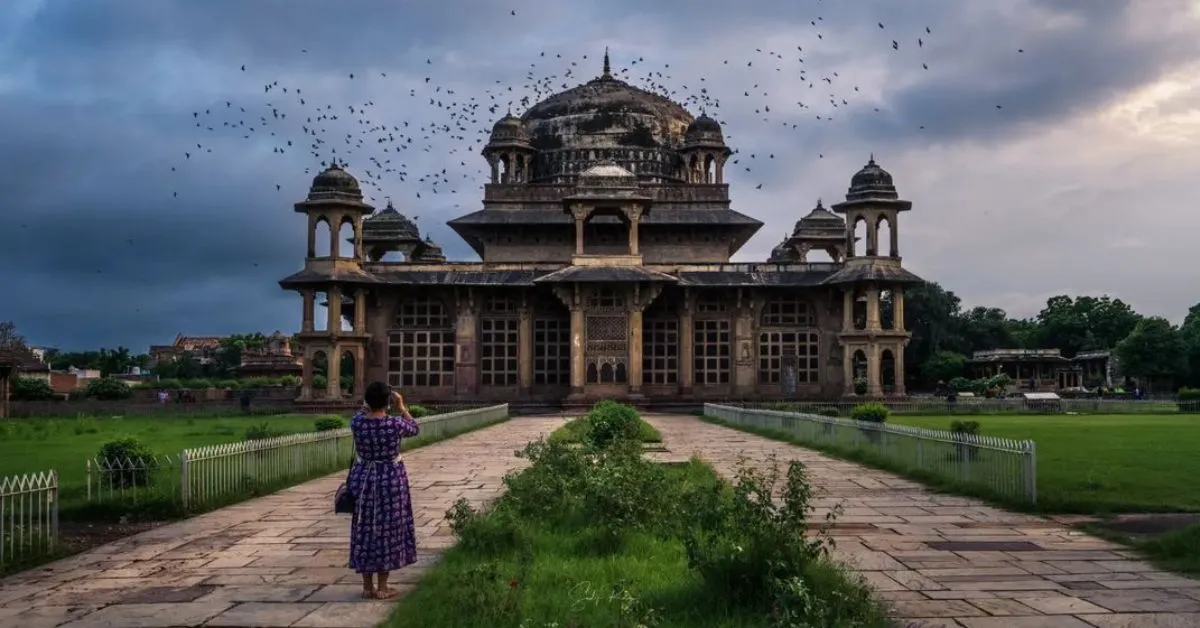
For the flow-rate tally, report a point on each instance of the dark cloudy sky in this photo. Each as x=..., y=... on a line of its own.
x=1082, y=181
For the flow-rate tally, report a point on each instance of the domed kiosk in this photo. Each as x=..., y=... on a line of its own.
x=606, y=240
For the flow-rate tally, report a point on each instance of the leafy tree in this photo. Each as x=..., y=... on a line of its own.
x=1190, y=331
x=987, y=328
x=1154, y=350
x=943, y=366
x=1084, y=323
x=28, y=389
x=108, y=388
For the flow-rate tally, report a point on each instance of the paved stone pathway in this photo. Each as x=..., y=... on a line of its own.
x=270, y=562
x=1004, y=570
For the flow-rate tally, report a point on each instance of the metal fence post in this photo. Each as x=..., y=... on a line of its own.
x=184, y=483
x=1031, y=471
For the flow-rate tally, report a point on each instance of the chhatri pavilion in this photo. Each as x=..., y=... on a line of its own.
x=605, y=238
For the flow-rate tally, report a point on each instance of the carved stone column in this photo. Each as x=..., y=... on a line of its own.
x=848, y=309
x=872, y=237
x=360, y=372
x=333, y=376
x=466, y=372
x=333, y=322
x=635, y=352
x=525, y=348
x=894, y=233
x=335, y=227
x=874, y=381
x=306, y=324
x=360, y=311
x=898, y=309
x=687, y=346
x=634, y=213
x=579, y=213
x=577, y=347
x=873, y=309
x=898, y=353
x=312, y=236
x=848, y=368
x=744, y=326
x=306, y=376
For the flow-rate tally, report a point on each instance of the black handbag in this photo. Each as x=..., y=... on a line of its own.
x=344, y=501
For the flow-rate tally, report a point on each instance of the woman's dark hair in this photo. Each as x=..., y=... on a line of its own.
x=377, y=395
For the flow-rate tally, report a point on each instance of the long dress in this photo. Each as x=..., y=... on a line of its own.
x=382, y=531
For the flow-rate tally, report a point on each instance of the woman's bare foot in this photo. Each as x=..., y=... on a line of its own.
x=386, y=593
x=368, y=594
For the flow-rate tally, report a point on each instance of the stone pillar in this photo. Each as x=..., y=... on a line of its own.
x=848, y=309
x=872, y=237
x=306, y=376
x=360, y=311
x=898, y=352
x=309, y=306
x=312, y=236
x=744, y=374
x=466, y=374
x=687, y=347
x=334, y=323
x=525, y=350
x=873, y=309
x=894, y=233
x=335, y=228
x=898, y=308
x=634, y=213
x=577, y=348
x=635, y=351
x=360, y=372
x=579, y=213
x=874, y=383
x=848, y=368
x=333, y=377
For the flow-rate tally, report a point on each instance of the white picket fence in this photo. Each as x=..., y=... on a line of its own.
x=1001, y=466
x=28, y=515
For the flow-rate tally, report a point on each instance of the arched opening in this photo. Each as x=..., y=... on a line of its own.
x=606, y=232
x=693, y=169
x=393, y=257
x=345, y=239
x=887, y=310
x=859, y=368
x=887, y=370
x=710, y=169
x=607, y=373
x=860, y=310
x=505, y=169
x=622, y=376
x=819, y=256
x=860, y=237
x=320, y=370
x=346, y=371
x=593, y=376
x=320, y=311
x=321, y=232
x=883, y=237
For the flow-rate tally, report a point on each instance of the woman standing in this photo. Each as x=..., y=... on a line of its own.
x=382, y=533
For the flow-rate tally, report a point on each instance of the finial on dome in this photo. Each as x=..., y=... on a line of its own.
x=607, y=65
x=820, y=205
x=872, y=160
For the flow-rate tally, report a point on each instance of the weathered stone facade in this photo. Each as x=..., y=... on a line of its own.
x=606, y=236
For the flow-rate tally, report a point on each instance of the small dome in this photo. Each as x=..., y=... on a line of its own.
x=704, y=124
x=428, y=251
x=509, y=129
x=334, y=181
x=820, y=219
x=704, y=130
x=390, y=224
x=871, y=181
x=784, y=253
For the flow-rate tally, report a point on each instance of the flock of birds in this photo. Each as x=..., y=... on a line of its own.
x=448, y=128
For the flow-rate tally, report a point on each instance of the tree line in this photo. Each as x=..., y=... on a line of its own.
x=1148, y=348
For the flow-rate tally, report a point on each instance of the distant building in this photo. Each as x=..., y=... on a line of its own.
x=1045, y=370
x=273, y=360
x=203, y=348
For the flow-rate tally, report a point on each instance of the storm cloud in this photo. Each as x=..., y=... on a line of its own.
x=1045, y=143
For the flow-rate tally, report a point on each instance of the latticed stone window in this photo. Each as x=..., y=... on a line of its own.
x=660, y=351
x=422, y=345
x=551, y=351
x=779, y=351
x=790, y=311
x=712, y=351
x=499, y=342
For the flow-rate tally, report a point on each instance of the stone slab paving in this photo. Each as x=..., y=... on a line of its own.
x=270, y=562
x=1022, y=571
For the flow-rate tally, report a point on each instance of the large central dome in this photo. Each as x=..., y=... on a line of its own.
x=606, y=119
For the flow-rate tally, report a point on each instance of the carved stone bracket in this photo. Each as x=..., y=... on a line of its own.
x=569, y=296
x=633, y=212
x=465, y=301
x=579, y=211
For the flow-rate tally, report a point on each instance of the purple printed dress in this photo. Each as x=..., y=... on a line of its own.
x=382, y=532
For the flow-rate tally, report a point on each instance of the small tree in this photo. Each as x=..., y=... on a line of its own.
x=943, y=366
x=108, y=389
x=1154, y=350
x=28, y=389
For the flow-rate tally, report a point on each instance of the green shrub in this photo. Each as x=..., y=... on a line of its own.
x=228, y=384
x=963, y=430
x=325, y=424
x=418, y=411
x=28, y=389
x=870, y=412
x=1188, y=400
x=108, y=389
x=829, y=412
x=197, y=384
x=319, y=382
x=126, y=462
x=610, y=422
x=964, y=427
x=289, y=381
x=170, y=384
x=261, y=431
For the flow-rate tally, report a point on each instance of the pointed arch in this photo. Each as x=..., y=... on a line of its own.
x=860, y=231
x=321, y=237
x=347, y=237
x=883, y=236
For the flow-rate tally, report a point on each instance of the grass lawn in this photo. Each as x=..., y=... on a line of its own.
x=1102, y=463
x=573, y=431
x=64, y=445
x=559, y=576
